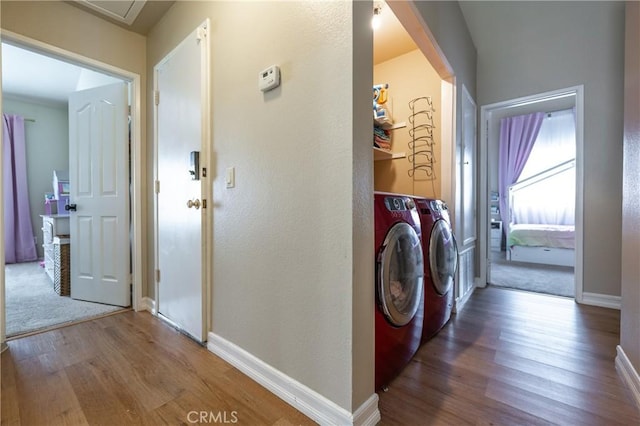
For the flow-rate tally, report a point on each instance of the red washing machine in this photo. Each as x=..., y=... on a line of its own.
x=440, y=264
x=399, y=284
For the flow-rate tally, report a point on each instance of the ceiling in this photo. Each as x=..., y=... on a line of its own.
x=21, y=69
x=23, y=76
x=390, y=39
x=134, y=15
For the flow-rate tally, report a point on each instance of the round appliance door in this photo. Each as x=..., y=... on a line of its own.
x=443, y=256
x=400, y=274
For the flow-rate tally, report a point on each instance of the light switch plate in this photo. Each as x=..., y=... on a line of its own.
x=230, y=177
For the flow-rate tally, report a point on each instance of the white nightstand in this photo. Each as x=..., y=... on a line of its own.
x=496, y=234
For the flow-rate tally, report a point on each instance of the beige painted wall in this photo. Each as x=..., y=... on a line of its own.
x=409, y=76
x=293, y=241
x=545, y=46
x=66, y=27
x=630, y=316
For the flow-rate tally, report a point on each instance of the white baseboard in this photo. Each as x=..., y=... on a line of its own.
x=302, y=398
x=461, y=301
x=602, y=300
x=148, y=304
x=628, y=374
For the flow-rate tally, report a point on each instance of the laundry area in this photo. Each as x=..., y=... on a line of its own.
x=410, y=117
x=416, y=252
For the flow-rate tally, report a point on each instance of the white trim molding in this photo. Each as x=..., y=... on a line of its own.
x=602, y=300
x=628, y=374
x=148, y=304
x=299, y=396
x=461, y=301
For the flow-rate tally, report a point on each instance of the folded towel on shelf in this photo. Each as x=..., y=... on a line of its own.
x=383, y=145
x=381, y=140
x=385, y=134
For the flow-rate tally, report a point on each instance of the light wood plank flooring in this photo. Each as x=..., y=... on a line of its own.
x=128, y=369
x=515, y=358
x=510, y=358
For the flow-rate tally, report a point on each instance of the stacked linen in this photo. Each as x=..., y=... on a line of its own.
x=381, y=138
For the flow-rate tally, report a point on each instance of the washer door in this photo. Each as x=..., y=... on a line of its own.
x=400, y=274
x=443, y=256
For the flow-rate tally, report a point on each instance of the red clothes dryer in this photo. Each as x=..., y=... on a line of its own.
x=440, y=264
x=399, y=284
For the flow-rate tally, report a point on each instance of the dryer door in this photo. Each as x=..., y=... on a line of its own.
x=443, y=256
x=400, y=274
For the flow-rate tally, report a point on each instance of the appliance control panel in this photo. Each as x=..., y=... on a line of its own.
x=397, y=204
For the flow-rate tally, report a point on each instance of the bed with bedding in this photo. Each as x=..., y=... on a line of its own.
x=541, y=216
x=541, y=243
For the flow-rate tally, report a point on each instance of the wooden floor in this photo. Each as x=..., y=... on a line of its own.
x=515, y=358
x=129, y=369
x=510, y=358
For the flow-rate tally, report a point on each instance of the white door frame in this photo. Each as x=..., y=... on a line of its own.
x=486, y=112
x=206, y=162
x=136, y=159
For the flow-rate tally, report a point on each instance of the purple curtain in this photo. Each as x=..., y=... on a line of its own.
x=517, y=136
x=18, y=233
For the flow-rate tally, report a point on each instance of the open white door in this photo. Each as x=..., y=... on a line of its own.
x=99, y=191
x=182, y=145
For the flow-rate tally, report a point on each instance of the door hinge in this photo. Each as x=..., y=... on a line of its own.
x=201, y=33
x=204, y=203
x=157, y=187
x=156, y=97
x=157, y=275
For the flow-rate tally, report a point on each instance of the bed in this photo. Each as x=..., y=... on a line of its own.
x=545, y=236
x=537, y=243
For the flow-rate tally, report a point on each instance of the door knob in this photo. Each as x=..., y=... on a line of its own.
x=193, y=203
x=70, y=207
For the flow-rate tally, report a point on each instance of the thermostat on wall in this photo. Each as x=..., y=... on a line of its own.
x=269, y=78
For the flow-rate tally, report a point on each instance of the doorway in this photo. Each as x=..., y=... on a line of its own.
x=530, y=245
x=105, y=72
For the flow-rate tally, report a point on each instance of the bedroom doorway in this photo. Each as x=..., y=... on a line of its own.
x=533, y=209
x=42, y=116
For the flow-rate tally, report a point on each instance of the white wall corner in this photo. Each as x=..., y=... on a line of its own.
x=602, y=300
x=148, y=304
x=628, y=374
x=294, y=393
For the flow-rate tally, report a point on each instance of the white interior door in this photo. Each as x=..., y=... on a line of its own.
x=99, y=188
x=180, y=89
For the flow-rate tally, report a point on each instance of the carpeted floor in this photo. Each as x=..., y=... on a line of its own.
x=549, y=279
x=32, y=304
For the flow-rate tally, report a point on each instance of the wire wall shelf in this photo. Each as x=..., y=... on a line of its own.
x=422, y=143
